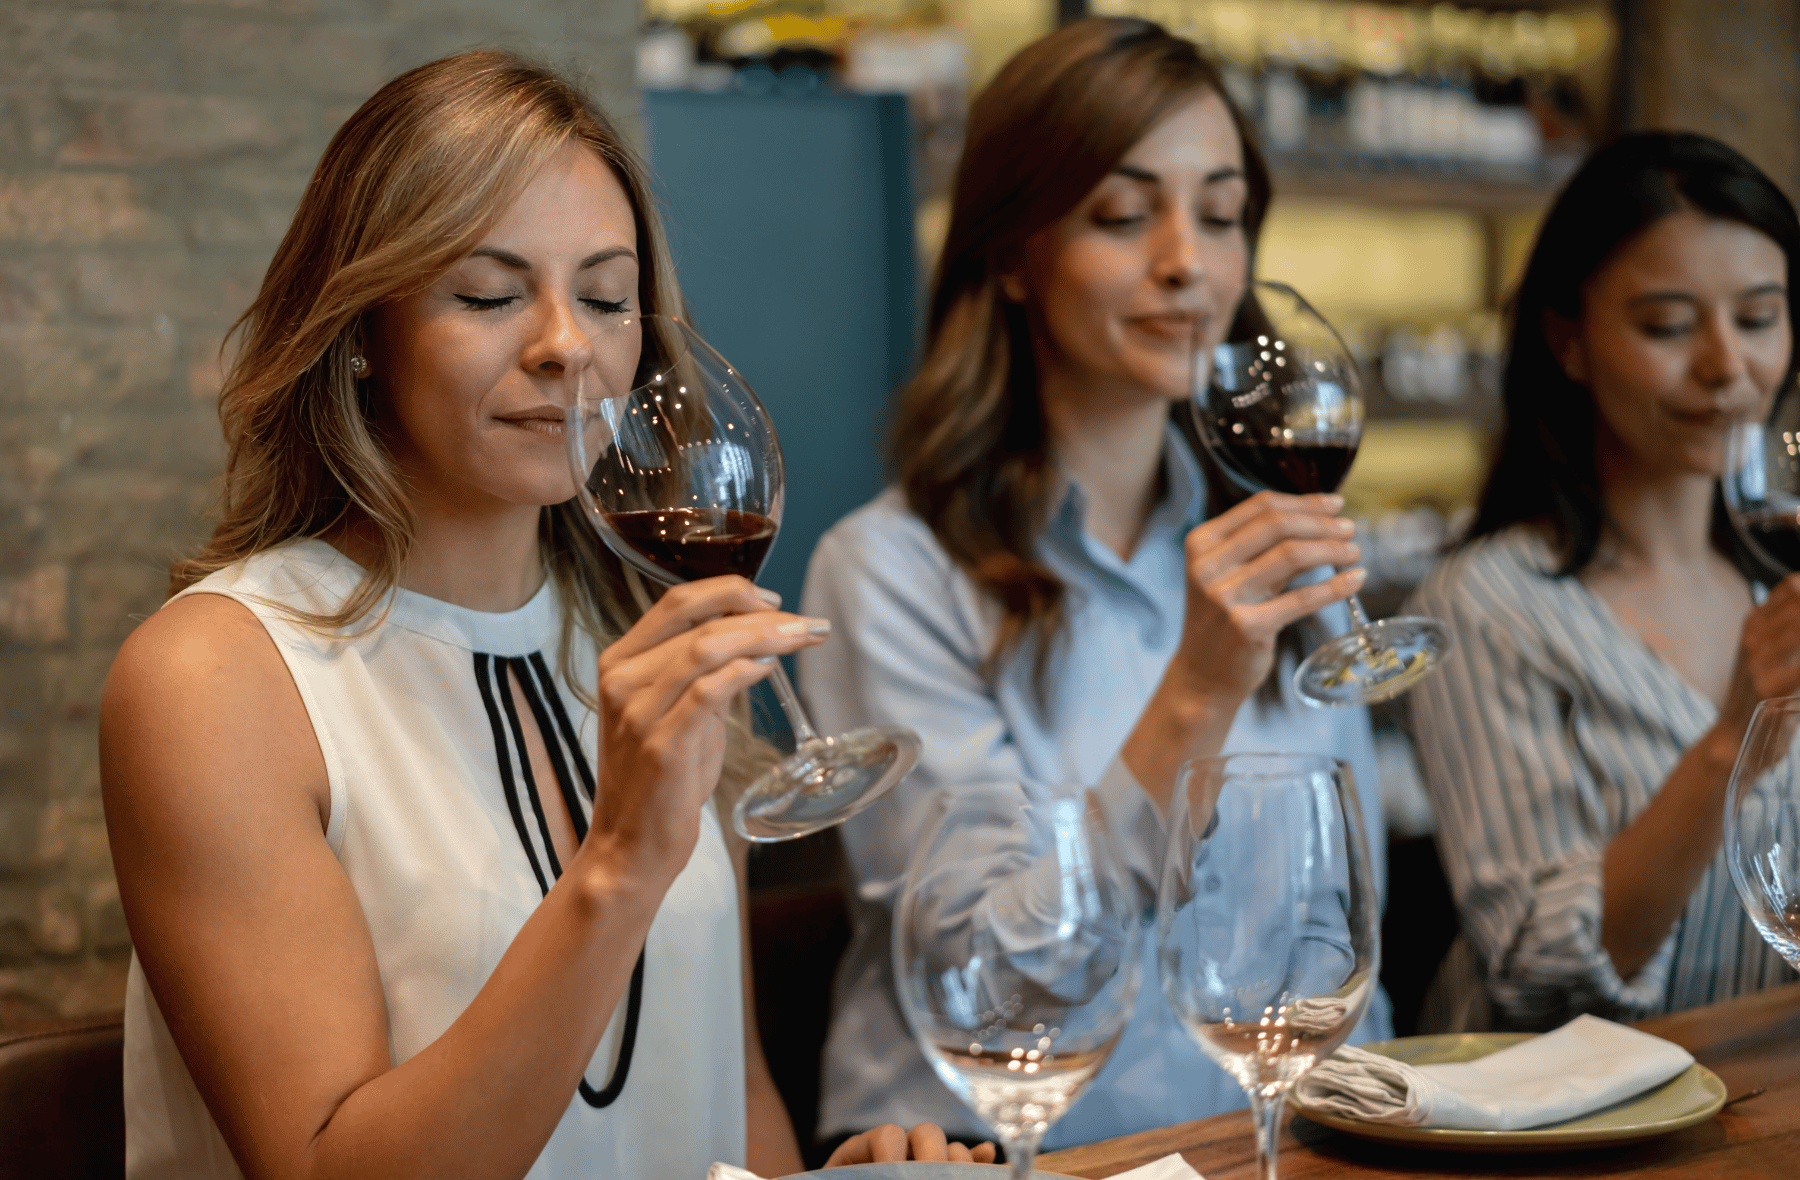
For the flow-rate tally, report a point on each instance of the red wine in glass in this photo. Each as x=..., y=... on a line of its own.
x=694, y=543
x=1761, y=484
x=1301, y=467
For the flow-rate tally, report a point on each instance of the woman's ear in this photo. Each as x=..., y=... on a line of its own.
x=1564, y=337
x=1012, y=286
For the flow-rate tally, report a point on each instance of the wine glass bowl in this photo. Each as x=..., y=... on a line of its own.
x=1272, y=975
x=678, y=467
x=1761, y=483
x=1762, y=825
x=1280, y=406
x=694, y=485
x=1017, y=951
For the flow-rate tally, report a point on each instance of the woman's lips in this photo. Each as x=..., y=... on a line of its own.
x=537, y=424
x=1180, y=326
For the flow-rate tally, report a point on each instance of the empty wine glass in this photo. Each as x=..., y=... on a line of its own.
x=1762, y=825
x=1761, y=483
x=679, y=469
x=1017, y=944
x=1271, y=975
x=1280, y=406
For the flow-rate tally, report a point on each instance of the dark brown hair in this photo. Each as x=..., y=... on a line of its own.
x=970, y=444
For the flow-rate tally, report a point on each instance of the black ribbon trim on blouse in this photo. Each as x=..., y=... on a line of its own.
x=490, y=675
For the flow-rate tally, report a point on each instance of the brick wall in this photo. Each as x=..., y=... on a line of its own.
x=151, y=153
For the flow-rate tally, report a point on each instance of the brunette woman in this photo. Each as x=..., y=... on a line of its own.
x=389, y=919
x=1060, y=588
x=1614, y=635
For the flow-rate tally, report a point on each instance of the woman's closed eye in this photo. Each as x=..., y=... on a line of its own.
x=485, y=303
x=495, y=302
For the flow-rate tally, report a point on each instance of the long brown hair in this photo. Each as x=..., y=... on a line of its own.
x=970, y=444
x=407, y=187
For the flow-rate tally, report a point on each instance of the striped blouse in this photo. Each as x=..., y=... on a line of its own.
x=1546, y=734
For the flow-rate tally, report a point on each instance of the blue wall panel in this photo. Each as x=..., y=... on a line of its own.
x=791, y=224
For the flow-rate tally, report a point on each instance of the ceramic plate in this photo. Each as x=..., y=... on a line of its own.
x=922, y=1171
x=1690, y=1097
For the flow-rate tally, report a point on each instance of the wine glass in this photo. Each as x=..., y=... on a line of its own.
x=1762, y=825
x=1017, y=951
x=1761, y=483
x=1279, y=405
x=679, y=469
x=1270, y=974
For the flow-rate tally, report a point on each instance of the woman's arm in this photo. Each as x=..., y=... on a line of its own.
x=1655, y=863
x=253, y=940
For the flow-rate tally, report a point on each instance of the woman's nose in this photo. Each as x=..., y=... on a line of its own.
x=1719, y=355
x=1177, y=262
x=559, y=346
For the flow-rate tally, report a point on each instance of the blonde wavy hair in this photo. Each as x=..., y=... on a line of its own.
x=408, y=186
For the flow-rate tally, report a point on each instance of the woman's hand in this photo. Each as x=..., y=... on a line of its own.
x=666, y=687
x=893, y=1143
x=1768, y=660
x=1239, y=565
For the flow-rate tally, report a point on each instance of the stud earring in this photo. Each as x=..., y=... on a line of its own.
x=359, y=366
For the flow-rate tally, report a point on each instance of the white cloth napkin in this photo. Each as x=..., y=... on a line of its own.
x=1169, y=1167
x=1583, y=1066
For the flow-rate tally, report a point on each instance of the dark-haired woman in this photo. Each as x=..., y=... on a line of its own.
x=1059, y=590
x=1614, y=637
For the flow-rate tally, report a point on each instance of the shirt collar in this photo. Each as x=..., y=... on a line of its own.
x=1182, y=507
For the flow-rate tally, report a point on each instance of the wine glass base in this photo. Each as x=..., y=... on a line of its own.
x=1373, y=663
x=825, y=782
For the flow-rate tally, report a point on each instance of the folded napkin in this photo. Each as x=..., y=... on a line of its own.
x=1169, y=1167
x=1583, y=1066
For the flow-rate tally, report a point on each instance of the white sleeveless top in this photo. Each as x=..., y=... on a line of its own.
x=435, y=819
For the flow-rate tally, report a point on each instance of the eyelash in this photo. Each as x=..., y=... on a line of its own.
x=1213, y=223
x=475, y=302
x=1671, y=331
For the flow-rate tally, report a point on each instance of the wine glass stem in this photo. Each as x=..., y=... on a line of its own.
x=1021, y=1154
x=1265, y=1112
x=790, y=704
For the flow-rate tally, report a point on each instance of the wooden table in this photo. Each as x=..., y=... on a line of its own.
x=1749, y=1042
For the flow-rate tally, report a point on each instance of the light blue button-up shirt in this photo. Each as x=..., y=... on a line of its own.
x=911, y=633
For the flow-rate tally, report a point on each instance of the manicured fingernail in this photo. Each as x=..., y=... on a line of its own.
x=1343, y=526
x=1332, y=501
x=768, y=596
x=796, y=627
x=765, y=659
x=1358, y=576
x=818, y=626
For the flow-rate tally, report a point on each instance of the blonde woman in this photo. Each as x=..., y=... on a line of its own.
x=410, y=803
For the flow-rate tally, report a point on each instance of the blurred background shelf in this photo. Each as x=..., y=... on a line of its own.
x=1400, y=187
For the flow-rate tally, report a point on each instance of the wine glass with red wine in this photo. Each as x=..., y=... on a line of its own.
x=1279, y=405
x=1761, y=484
x=679, y=469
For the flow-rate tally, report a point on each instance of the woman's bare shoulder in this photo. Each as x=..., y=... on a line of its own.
x=200, y=684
